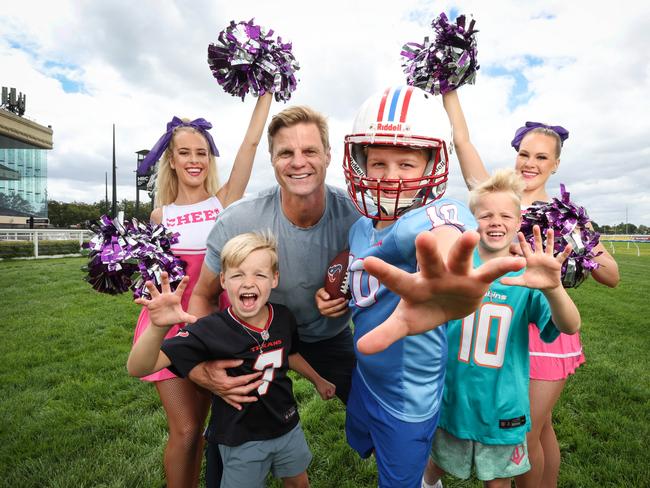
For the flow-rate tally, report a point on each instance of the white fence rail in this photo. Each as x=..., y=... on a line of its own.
x=36, y=235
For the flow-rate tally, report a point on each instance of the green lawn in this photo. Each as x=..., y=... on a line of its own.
x=72, y=417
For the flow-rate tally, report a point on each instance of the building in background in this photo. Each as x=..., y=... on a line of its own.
x=23, y=165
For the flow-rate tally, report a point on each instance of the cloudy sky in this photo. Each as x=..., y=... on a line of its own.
x=582, y=64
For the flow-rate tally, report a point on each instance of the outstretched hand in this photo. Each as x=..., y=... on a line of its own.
x=543, y=270
x=165, y=308
x=440, y=291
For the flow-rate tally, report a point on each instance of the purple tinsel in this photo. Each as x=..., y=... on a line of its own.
x=126, y=254
x=246, y=59
x=446, y=64
x=569, y=222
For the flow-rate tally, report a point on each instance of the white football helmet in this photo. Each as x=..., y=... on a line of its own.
x=402, y=116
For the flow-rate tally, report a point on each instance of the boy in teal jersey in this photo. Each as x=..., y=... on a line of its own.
x=485, y=410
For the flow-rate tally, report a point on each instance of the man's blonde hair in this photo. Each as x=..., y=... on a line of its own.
x=240, y=247
x=501, y=181
x=299, y=114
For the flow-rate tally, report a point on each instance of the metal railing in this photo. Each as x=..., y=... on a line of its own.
x=634, y=239
x=36, y=235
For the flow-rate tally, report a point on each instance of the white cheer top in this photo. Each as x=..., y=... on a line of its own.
x=194, y=222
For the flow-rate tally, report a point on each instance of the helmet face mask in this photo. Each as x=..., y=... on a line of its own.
x=399, y=117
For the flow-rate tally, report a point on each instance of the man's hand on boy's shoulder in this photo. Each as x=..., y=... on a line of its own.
x=441, y=290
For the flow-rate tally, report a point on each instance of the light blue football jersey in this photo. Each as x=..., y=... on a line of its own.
x=407, y=378
x=486, y=389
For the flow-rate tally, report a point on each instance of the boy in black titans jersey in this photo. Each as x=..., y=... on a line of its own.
x=264, y=435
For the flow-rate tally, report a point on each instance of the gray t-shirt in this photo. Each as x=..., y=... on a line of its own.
x=303, y=253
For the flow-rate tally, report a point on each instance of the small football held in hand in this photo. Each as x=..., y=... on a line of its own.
x=336, y=278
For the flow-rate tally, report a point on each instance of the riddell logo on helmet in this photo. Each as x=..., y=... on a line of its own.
x=391, y=127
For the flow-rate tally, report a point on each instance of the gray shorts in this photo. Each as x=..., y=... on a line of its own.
x=247, y=465
x=457, y=457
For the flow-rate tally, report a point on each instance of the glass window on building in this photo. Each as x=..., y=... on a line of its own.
x=23, y=182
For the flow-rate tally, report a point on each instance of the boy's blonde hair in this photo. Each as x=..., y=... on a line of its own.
x=166, y=189
x=501, y=181
x=240, y=247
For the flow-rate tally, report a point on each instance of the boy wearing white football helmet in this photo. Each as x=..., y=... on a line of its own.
x=395, y=164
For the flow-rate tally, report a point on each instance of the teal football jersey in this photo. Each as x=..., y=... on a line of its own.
x=486, y=388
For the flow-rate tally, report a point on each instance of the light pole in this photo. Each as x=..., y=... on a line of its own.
x=114, y=207
x=140, y=180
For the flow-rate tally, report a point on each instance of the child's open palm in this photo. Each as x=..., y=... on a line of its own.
x=165, y=308
x=543, y=270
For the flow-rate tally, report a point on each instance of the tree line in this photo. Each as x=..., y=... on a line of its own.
x=79, y=214
x=622, y=228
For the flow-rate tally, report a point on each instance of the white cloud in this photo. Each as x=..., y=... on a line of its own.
x=581, y=65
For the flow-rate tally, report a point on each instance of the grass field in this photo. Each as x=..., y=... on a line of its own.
x=71, y=417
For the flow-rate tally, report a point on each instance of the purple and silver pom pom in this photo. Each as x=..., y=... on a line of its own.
x=246, y=59
x=569, y=222
x=445, y=64
x=125, y=254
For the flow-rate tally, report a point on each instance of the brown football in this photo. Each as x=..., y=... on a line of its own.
x=336, y=278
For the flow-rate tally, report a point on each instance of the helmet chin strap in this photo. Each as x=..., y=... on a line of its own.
x=403, y=205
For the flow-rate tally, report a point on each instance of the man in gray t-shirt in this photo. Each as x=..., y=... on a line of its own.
x=311, y=222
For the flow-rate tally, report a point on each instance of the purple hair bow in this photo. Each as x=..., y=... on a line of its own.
x=522, y=131
x=159, y=147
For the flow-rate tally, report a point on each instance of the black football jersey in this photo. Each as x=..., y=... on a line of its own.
x=224, y=336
